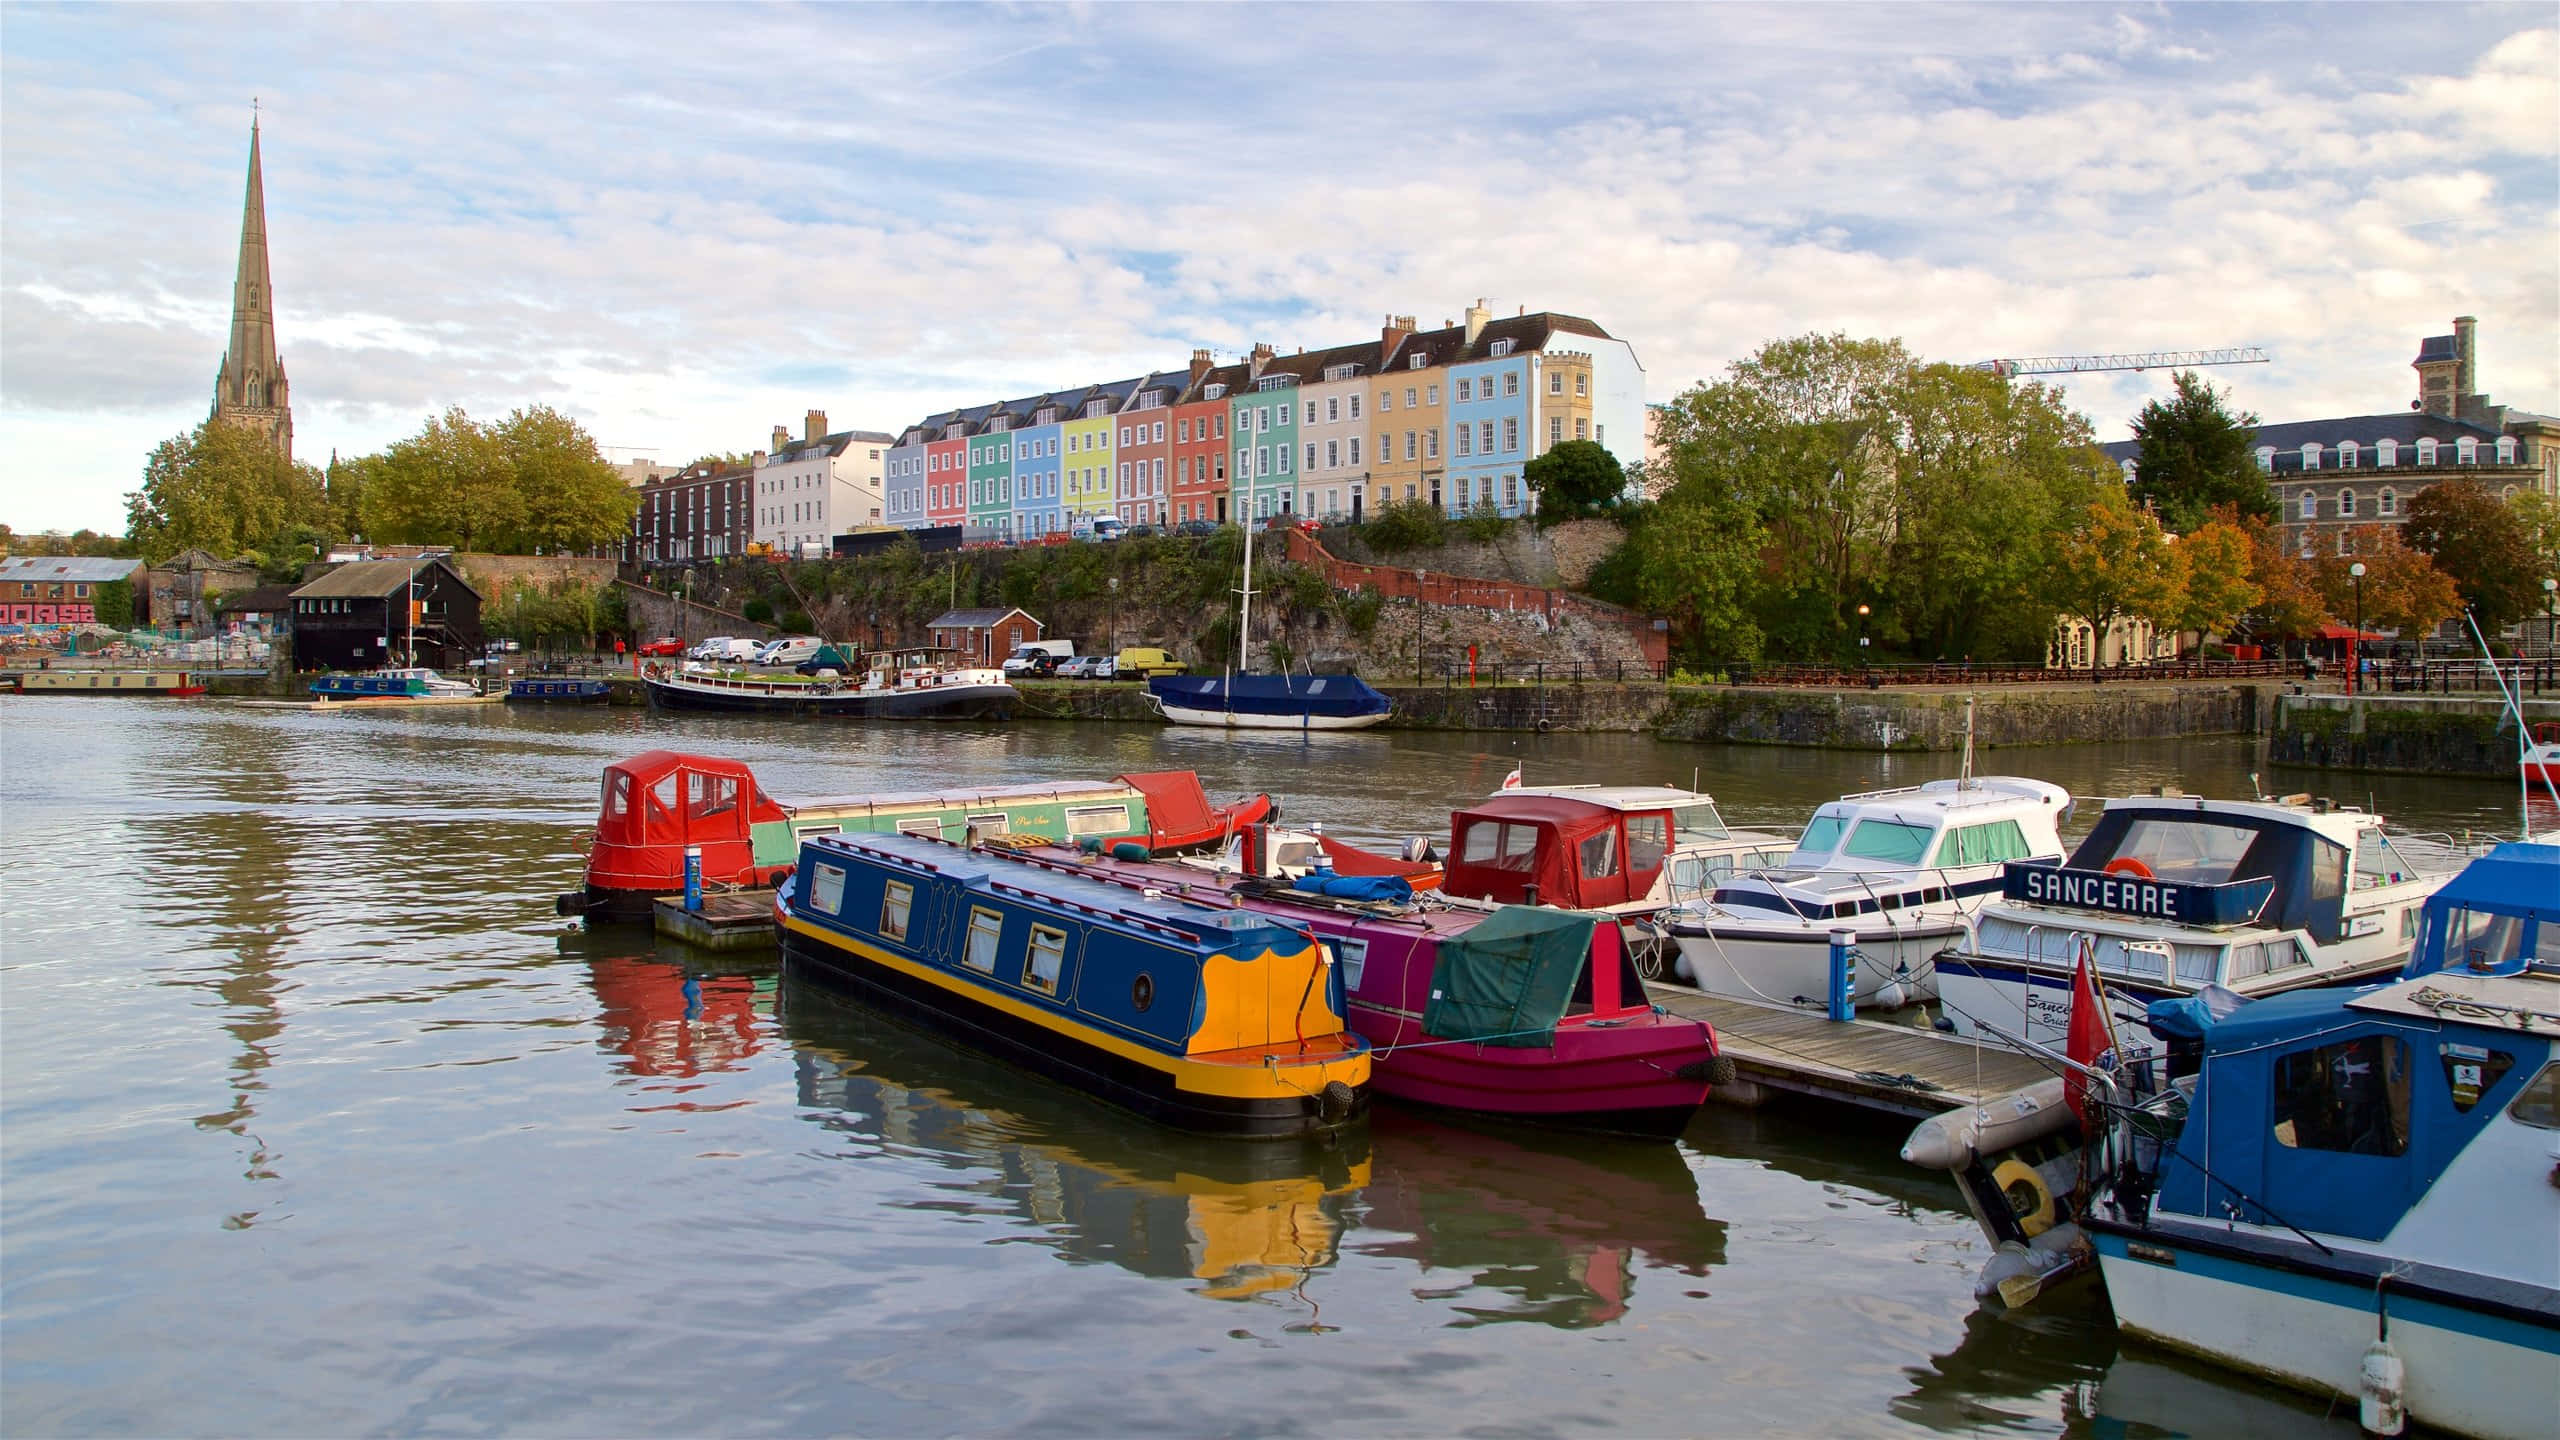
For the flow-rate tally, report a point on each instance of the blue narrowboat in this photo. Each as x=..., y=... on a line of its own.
x=570, y=692
x=413, y=682
x=1205, y=1019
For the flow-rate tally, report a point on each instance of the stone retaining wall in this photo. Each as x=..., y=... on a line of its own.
x=2413, y=734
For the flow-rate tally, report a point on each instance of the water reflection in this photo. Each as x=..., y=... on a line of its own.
x=1559, y=1229
x=2149, y=1393
x=1237, y=1219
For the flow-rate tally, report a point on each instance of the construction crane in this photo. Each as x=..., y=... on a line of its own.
x=2139, y=360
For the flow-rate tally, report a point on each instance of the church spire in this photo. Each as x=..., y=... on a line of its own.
x=251, y=386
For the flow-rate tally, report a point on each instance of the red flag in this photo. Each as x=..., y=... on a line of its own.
x=2091, y=1040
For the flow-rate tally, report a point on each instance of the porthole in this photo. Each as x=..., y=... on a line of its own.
x=1142, y=992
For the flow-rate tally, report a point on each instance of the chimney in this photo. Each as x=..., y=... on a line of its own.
x=1477, y=316
x=1261, y=356
x=2465, y=377
x=781, y=438
x=1200, y=365
x=1393, y=334
x=817, y=423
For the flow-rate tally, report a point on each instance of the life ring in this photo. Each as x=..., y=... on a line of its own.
x=2127, y=865
x=2028, y=1197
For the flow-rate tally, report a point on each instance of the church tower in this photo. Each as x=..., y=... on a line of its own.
x=250, y=390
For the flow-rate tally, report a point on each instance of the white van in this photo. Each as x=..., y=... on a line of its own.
x=789, y=651
x=1023, y=654
x=1105, y=527
x=735, y=652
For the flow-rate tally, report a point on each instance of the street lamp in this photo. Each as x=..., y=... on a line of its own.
x=2355, y=643
x=2551, y=616
x=1862, y=635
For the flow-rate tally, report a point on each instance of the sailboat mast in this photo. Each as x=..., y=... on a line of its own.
x=1244, y=622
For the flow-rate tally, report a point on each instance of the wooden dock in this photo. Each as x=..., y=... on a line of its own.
x=1872, y=1064
x=730, y=920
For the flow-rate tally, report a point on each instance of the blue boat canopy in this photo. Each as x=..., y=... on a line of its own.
x=2485, y=920
x=1326, y=695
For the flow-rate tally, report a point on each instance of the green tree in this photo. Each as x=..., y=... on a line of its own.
x=2213, y=576
x=449, y=484
x=1403, y=525
x=572, y=499
x=1695, y=560
x=2488, y=545
x=2195, y=455
x=223, y=489
x=1578, y=477
x=2115, y=563
x=114, y=600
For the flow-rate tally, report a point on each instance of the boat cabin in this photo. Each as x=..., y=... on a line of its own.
x=1942, y=825
x=2500, y=916
x=1521, y=849
x=657, y=803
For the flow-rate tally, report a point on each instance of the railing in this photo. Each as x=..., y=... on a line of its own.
x=1851, y=677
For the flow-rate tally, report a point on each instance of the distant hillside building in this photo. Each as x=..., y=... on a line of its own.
x=698, y=513
x=371, y=613
x=250, y=388
x=2331, y=476
x=808, y=491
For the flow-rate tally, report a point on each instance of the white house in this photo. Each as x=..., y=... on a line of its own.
x=820, y=486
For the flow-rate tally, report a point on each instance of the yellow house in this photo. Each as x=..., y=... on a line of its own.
x=1085, y=450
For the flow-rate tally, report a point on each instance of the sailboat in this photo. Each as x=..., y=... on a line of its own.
x=1239, y=699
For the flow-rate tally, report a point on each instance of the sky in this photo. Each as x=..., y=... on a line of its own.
x=685, y=224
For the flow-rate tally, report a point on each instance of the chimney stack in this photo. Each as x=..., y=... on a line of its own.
x=1477, y=316
x=817, y=423
x=1200, y=365
x=781, y=438
x=1397, y=329
x=2465, y=376
x=1261, y=356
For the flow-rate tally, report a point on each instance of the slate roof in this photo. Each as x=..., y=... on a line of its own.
x=2407, y=427
x=264, y=600
x=2436, y=347
x=66, y=569
x=976, y=619
x=372, y=579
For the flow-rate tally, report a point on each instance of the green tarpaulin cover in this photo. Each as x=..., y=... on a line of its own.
x=1508, y=980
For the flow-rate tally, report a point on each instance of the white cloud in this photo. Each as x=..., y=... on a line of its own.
x=687, y=224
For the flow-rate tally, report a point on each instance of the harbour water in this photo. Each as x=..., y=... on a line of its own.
x=315, y=1121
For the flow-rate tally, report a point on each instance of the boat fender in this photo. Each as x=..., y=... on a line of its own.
x=1722, y=1071
x=1892, y=995
x=1336, y=1100
x=2028, y=1196
x=2379, y=1388
x=1129, y=850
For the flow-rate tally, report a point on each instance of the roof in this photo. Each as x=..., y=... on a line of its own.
x=370, y=579
x=2406, y=427
x=1615, y=797
x=68, y=569
x=2436, y=347
x=1203, y=926
x=2517, y=878
x=265, y=600
x=976, y=619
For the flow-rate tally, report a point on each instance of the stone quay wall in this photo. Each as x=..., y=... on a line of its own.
x=2413, y=734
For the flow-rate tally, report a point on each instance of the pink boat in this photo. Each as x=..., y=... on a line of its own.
x=1540, y=1014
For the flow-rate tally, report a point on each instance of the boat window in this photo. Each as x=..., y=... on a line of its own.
x=1699, y=824
x=926, y=828
x=826, y=889
x=2378, y=863
x=1097, y=820
x=1648, y=839
x=1888, y=840
x=2196, y=852
x=2483, y=941
x=617, y=795
x=985, y=927
x=1519, y=846
x=1983, y=844
x=1481, y=843
x=982, y=826
x=712, y=794
x=1353, y=956
x=895, y=904
x=2538, y=1103
x=1048, y=957
x=1600, y=855
x=665, y=790
x=2352, y=1096
x=2471, y=1071
x=1819, y=839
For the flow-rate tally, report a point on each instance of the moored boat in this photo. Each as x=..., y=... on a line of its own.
x=899, y=685
x=558, y=691
x=408, y=681
x=656, y=804
x=2170, y=893
x=1269, y=702
x=2542, y=756
x=1204, y=1018
x=2352, y=1191
x=1524, y=1012
x=1899, y=870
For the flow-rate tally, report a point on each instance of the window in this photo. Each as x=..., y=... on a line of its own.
x=1648, y=840
x=1182, y=431
x=1500, y=347
x=2352, y=1097
x=1155, y=432
x=1466, y=389
x=2311, y=455
x=2471, y=1071
x=2389, y=502
x=2538, y=1103
x=2466, y=451
x=1408, y=445
x=898, y=900
x=2386, y=452
x=1282, y=451
x=1332, y=454
x=2426, y=450
x=1510, y=379
x=1408, y=397
x=2347, y=455
x=1431, y=444
x=1355, y=407
x=826, y=888
x=1353, y=956
x=1355, y=449
x=1386, y=401
x=2506, y=449
x=1047, y=956
x=2267, y=457
x=1466, y=440
x=1983, y=844
x=1431, y=394
x=1332, y=409
x=1555, y=430
x=2346, y=504
x=1581, y=383
x=1598, y=855
x=1555, y=382
x=985, y=928
x=1889, y=840
x=2310, y=506
x=1484, y=436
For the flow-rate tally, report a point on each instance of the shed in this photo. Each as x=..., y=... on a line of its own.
x=983, y=637
x=353, y=618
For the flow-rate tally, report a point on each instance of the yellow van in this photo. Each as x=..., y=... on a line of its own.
x=1139, y=662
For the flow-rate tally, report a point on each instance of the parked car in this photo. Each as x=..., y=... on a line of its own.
x=1196, y=527
x=1103, y=528
x=1141, y=661
x=666, y=646
x=1135, y=531
x=1044, y=666
x=712, y=649
x=1086, y=667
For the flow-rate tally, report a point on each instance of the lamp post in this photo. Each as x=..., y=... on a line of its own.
x=1862, y=637
x=2355, y=642
x=2551, y=615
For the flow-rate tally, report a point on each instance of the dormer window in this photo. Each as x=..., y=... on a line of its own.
x=1499, y=349
x=1049, y=416
x=1416, y=363
x=2347, y=455
x=2128, y=472
x=2426, y=450
x=1340, y=372
x=2466, y=451
x=1213, y=392
x=1274, y=382
x=1152, y=400
x=2311, y=455
x=2386, y=453
x=1094, y=409
x=2267, y=458
x=2506, y=449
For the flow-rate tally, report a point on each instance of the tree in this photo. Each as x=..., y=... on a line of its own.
x=572, y=499
x=2215, y=588
x=222, y=489
x=2194, y=455
x=2402, y=589
x=533, y=481
x=2289, y=602
x=2488, y=545
x=2115, y=563
x=1578, y=477
x=723, y=460
x=1696, y=561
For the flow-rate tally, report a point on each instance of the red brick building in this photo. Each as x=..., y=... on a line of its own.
x=983, y=637
x=702, y=512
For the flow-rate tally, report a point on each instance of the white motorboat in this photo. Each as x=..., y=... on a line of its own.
x=2172, y=893
x=1900, y=869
